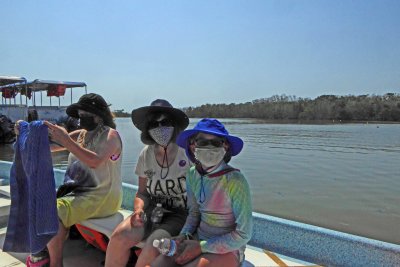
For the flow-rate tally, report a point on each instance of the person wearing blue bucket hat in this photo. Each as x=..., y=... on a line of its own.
x=219, y=223
x=161, y=170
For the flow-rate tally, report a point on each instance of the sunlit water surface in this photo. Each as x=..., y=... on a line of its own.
x=342, y=177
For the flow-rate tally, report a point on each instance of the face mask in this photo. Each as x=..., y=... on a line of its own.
x=87, y=123
x=209, y=157
x=162, y=135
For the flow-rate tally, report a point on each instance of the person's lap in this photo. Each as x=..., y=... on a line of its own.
x=204, y=260
x=218, y=260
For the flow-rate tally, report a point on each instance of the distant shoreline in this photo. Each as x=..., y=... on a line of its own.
x=317, y=122
x=311, y=122
x=325, y=109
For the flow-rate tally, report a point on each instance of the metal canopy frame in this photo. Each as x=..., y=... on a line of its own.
x=38, y=85
x=5, y=80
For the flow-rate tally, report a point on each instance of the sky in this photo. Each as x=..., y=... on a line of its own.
x=209, y=51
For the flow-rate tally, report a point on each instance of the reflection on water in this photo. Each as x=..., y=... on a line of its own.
x=343, y=177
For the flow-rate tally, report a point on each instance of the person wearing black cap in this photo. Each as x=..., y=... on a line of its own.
x=94, y=168
x=161, y=169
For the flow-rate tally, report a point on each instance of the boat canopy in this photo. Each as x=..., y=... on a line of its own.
x=39, y=85
x=6, y=80
x=10, y=86
x=44, y=85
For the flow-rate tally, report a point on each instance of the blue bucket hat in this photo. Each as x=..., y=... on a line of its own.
x=210, y=126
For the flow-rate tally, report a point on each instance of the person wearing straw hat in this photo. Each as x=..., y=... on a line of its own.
x=219, y=223
x=161, y=169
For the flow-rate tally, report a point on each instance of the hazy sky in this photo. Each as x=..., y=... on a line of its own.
x=197, y=52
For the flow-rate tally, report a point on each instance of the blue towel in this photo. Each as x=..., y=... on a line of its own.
x=33, y=219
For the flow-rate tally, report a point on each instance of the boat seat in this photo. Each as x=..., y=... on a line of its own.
x=106, y=225
x=8, y=260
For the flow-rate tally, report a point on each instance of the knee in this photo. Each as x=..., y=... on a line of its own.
x=119, y=236
x=125, y=236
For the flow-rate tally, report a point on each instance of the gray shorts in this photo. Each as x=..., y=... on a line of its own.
x=172, y=222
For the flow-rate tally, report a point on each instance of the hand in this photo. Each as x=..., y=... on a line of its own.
x=190, y=250
x=57, y=133
x=136, y=218
x=16, y=127
x=179, y=238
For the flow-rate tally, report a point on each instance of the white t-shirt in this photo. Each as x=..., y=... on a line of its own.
x=171, y=190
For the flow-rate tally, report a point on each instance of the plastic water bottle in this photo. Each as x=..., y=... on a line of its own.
x=166, y=246
x=143, y=216
x=157, y=214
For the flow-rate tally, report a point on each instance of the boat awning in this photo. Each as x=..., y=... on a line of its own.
x=6, y=80
x=42, y=85
x=53, y=88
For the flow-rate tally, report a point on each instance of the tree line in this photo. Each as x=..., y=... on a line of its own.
x=291, y=108
x=322, y=108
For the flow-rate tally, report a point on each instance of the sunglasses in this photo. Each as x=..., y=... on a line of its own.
x=163, y=122
x=85, y=114
x=216, y=142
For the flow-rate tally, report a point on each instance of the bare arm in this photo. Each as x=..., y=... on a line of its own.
x=55, y=147
x=139, y=204
x=90, y=158
x=142, y=195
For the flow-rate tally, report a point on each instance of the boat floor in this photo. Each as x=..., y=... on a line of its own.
x=79, y=253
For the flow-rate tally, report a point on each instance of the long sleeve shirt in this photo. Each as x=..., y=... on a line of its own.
x=220, y=210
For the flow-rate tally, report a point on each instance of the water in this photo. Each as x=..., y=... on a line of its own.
x=342, y=177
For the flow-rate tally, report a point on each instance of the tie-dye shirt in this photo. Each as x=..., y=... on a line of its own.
x=223, y=221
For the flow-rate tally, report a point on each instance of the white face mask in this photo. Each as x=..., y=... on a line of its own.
x=209, y=157
x=162, y=135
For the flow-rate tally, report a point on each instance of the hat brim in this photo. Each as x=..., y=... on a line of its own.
x=139, y=116
x=236, y=144
x=72, y=110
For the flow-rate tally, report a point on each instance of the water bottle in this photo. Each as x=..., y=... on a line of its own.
x=166, y=246
x=143, y=217
x=157, y=214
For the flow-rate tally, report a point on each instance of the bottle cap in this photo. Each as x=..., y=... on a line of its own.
x=156, y=243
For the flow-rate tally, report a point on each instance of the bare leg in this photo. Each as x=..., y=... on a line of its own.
x=149, y=253
x=56, y=245
x=122, y=240
x=217, y=260
x=164, y=261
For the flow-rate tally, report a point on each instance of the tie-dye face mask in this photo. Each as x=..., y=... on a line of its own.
x=162, y=135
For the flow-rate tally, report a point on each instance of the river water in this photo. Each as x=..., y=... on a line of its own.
x=342, y=177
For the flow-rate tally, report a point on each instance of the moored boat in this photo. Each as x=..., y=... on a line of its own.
x=25, y=100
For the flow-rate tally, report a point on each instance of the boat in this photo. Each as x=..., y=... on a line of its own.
x=275, y=241
x=24, y=100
